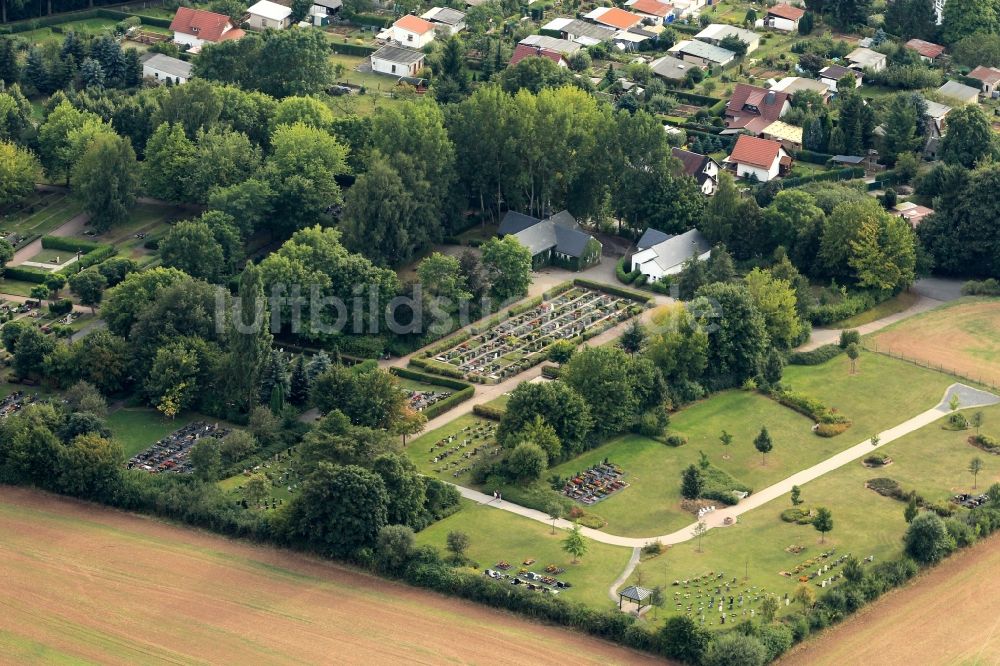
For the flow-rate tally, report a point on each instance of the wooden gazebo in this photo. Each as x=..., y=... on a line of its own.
x=640, y=596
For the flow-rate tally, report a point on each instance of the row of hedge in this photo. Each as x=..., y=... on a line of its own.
x=157, y=21
x=613, y=290
x=25, y=274
x=812, y=157
x=463, y=391
x=69, y=244
x=373, y=20
x=816, y=356
x=489, y=412
x=436, y=367
x=829, y=423
x=344, y=48
x=694, y=98
x=28, y=25
x=823, y=315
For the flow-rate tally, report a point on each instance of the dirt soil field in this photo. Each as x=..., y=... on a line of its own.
x=960, y=337
x=948, y=616
x=81, y=583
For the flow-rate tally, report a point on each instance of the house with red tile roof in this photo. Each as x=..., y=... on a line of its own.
x=784, y=17
x=195, y=27
x=753, y=157
x=522, y=51
x=614, y=17
x=912, y=213
x=752, y=108
x=929, y=51
x=412, y=31
x=653, y=11
x=988, y=77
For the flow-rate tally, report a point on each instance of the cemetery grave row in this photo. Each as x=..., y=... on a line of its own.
x=595, y=484
x=421, y=400
x=458, y=453
x=172, y=453
x=520, y=342
x=15, y=402
x=547, y=583
x=709, y=595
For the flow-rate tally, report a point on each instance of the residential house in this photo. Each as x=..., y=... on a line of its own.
x=397, y=61
x=960, y=92
x=522, y=51
x=752, y=108
x=702, y=54
x=195, y=27
x=789, y=136
x=783, y=17
x=581, y=32
x=989, y=79
x=864, y=58
x=163, y=68
x=667, y=257
x=688, y=8
x=629, y=40
x=758, y=158
x=613, y=17
x=797, y=84
x=830, y=75
x=928, y=51
x=328, y=7
x=266, y=14
x=702, y=168
x=912, y=213
x=716, y=32
x=653, y=12
x=651, y=237
x=562, y=46
x=670, y=69
x=412, y=31
x=451, y=20
x=556, y=240
x=934, y=128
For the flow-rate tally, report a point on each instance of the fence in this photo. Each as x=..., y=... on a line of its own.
x=987, y=382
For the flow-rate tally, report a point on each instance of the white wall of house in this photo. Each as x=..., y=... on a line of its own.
x=644, y=263
x=412, y=39
x=779, y=23
x=396, y=68
x=184, y=38
x=763, y=175
x=258, y=22
x=708, y=187
x=160, y=75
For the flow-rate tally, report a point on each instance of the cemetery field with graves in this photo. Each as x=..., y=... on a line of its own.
x=449, y=452
x=138, y=428
x=497, y=537
x=38, y=215
x=172, y=452
x=284, y=475
x=776, y=554
x=520, y=341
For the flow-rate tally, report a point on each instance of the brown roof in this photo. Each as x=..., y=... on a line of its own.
x=755, y=151
x=619, y=18
x=652, y=7
x=693, y=162
x=208, y=26
x=990, y=75
x=837, y=72
x=750, y=103
x=786, y=11
x=522, y=51
x=414, y=24
x=914, y=214
x=926, y=49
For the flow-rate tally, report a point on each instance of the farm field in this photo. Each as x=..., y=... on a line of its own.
x=960, y=336
x=932, y=461
x=918, y=624
x=87, y=584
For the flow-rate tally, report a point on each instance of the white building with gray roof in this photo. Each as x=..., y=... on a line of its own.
x=163, y=68
x=667, y=257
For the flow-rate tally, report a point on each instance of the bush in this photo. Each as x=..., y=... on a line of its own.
x=986, y=443
x=676, y=440
x=822, y=315
x=988, y=287
x=830, y=423
x=816, y=356
x=831, y=429
x=551, y=371
x=927, y=539
x=877, y=459
x=797, y=515
x=61, y=307
x=624, y=277
x=489, y=412
x=957, y=421
x=849, y=337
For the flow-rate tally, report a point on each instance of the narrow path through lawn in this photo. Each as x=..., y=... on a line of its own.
x=967, y=395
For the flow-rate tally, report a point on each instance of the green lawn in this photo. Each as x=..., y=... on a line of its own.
x=892, y=306
x=138, y=429
x=497, y=535
x=932, y=461
x=422, y=449
x=84, y=27
x=38, y=214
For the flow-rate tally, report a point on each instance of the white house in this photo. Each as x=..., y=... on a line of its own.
x=195, y=27
x=783, y=17
x=412, y=31
x=716, y=32
x=864, y=58
x=829, y=76
x=397, y=60
x=960, y=92
x=163, y=68
x=266, y=14
x=701, y=53
x=450, y=20
x=653, y=12
x=702, y=168
x=760, y=158
x=667, y=257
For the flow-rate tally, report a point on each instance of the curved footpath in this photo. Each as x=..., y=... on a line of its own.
x=968, y=397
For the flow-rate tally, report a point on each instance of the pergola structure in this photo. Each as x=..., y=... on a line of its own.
x=640, y=596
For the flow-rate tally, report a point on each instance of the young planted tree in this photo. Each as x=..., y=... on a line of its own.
x=457, y=543
x=876, y=440
x=699, y=532
x=763, y=443
x=853, y=353
x=726, y=438
x=769, y=608
x=975, y=467
x=796, y=496
x=255, y=489
x=804, y=595
x=823, y=522
x=911, y=510
x=555, y=511
x=955, y=402
x=633, y=338
x=691, y=483
x=575, y=544
x=976, y=421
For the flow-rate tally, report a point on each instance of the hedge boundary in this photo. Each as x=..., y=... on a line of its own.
x=613, y=290
x=463, y=390
x=345, y=48
x=488, y=412
x=815, y=356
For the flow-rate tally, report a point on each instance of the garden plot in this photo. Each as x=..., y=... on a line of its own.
x=521, y=341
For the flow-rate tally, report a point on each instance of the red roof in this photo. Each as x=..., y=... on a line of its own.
x=914, y=214
x=652, y=7
x=522, y=51
x=926, y=49
x=207, y=26
x=753, y=105
x=786, y=11
x=414, y=24
x=755, y=151
x=990, y=75
x=619, y=18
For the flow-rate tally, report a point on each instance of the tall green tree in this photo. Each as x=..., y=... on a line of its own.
x=969, y=138
x=191, y=247
x=18, y=171
x=248, y=339
x=106, y=180
x=963, y=18
x=380, y=215
x=737, y=334
x=508, y=264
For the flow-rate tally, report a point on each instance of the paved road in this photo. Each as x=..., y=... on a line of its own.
x=968, y=397
x=72, y=227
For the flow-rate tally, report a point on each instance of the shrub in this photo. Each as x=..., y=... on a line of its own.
x=986, y=443
x=822, y=315
x=815, y=356
x=927, y=539
x=797, y=515
x=988, y=287
x=613, y=290
x=489, y=412
x=61, y=307
x=877, y=459
x=550, y=371
x=849, y=337
x=957, y=421
x=831, y=429
x=624, y=277
x=884, y=486
x=676, y=440
x=652, y=548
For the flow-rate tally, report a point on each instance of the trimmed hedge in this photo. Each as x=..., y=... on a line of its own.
x=69, y=244
x=551, y=371
x=373, y=20
x=694, y=98
x=489, y=412
x=345, y=48
x=25, y=274
x=443, y=406
x=822, y=315
x=613, y=290
x=438, y=368
x=816, y=356
x=430, y=379
x=849, y=173
x=812, y=157
x=92, y=258
x=158, y=21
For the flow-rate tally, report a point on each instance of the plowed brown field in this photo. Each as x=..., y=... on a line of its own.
x=82, y=583
x=948, y=616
